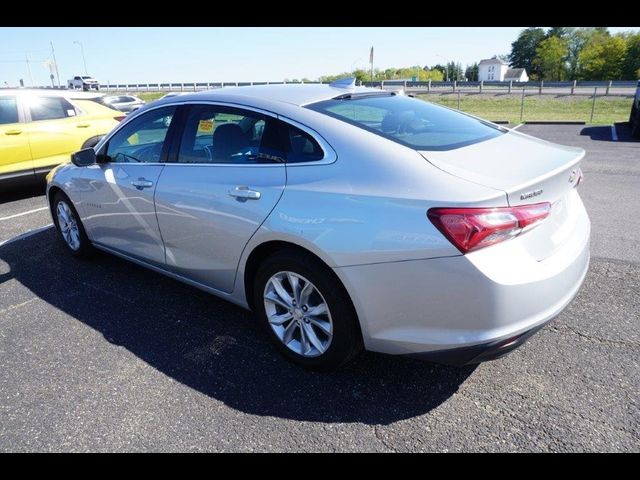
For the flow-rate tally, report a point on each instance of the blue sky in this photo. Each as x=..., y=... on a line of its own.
x=162, y=54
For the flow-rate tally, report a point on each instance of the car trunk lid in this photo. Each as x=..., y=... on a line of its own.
x=527, y=169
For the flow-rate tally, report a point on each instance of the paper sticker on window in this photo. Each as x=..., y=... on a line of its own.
x=205, y=126
x=71, y=112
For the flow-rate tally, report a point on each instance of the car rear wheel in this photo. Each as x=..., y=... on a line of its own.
x=306, y=311
x=70, y=228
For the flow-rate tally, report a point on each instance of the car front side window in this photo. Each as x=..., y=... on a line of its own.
x=49, y=108
x=141, y=140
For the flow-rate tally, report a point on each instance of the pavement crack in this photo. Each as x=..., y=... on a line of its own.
x=18, y=305
x=381, y=439
x=567, y=330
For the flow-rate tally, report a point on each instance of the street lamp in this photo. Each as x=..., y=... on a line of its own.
x=83, y=60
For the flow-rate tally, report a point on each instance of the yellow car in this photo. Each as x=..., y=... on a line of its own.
x=39, y=129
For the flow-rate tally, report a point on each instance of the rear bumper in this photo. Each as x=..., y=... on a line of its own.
x=477, y=353
x=467, y=308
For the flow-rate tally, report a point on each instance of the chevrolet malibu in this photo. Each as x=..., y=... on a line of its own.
x=344, y=217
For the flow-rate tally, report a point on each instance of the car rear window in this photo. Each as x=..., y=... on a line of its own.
x=411, y=122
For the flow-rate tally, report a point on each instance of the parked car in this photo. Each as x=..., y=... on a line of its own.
x=39, y=129
x=83, y=82
x=634, y=117
x=344, y=217
x=124, y=103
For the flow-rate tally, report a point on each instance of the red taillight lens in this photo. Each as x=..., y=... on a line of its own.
x=473, y=228
x=120, y=118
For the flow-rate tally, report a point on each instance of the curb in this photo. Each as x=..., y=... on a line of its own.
x=554, y=123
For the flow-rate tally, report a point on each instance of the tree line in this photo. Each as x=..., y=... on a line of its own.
x=560, y=53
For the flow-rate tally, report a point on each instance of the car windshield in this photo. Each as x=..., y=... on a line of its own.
x=411, y=122
x=87, y=77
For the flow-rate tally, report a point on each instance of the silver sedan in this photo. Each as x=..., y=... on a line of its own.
x=344, y=217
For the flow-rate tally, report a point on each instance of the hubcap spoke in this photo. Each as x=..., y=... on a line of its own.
x=289, y=331
x=68, y=226
x=280, y=319
x=318, y=310
x=313, y=338
x=305, y=329
x=280, y=290
x=275, y=298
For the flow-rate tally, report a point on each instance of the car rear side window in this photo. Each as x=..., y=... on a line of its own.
x=301, y=147
x=223, y=135
x=411, y=122
x=8, y=110
x=49, y=108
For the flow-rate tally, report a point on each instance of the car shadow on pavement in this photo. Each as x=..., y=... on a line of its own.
x=215, y=347
x=604, y=133
x=15, y=193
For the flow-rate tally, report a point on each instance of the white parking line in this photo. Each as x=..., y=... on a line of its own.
x=614, y=134
x=517, y=126
x=23, y=213
x=25, y=235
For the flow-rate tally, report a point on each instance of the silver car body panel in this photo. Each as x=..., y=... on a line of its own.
x=362, y=210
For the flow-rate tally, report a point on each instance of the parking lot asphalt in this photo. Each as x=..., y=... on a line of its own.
x=102, y=355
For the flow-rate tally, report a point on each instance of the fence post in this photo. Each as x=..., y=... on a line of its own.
x=382, y=85
x=405, y=85
x=429, y=86
x=593, y=105
x=510, y=85
x=573, y=87
x=458, y=99
x=481, y=85
x=181, y=86
x=195, y=86
x=522, y=106
x=608, y=87
x=540, y=88
x=455, y=84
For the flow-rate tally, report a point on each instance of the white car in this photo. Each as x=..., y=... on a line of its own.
x=124, y=103
x=344, y=217
x=83, y=82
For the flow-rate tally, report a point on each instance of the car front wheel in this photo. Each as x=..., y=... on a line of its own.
x=69, y=227
x=306, y=311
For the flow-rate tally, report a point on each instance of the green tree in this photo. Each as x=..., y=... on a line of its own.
x=560, y=32
x=631, y=64
x=472, y=72
x=551, y=57
x=523, y=50
x=602, y=57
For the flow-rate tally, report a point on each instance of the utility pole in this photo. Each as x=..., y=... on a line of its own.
x=371, y=62
x=55, y=62
x=86, y=72
x=26, y=56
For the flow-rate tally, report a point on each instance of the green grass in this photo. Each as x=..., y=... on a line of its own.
x=150, y=96
x=500, y=107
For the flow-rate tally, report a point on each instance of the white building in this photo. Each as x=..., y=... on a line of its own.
x=516, y=75
x=492, y=70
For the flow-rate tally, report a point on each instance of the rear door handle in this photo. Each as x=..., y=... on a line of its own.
x=13, y=132
x=83, y=125
x=142, y=183
x=244, y=192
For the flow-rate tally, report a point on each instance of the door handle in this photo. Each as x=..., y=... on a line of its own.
x=142, y=183
x=83, y=125
x=244, y=193
x=13, y=132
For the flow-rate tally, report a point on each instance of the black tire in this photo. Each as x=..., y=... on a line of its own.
x=635, y=128
x=86, y=249
x=347, y=339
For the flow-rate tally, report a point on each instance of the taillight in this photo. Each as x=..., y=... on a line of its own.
x=120, y=118
x=473, y=228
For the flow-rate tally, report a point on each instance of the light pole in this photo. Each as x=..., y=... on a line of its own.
x=86, y=72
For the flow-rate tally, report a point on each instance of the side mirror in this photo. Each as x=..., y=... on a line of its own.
x=84, y=158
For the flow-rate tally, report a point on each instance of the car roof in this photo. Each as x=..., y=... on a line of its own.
x=50, y=92
x=292, y=93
